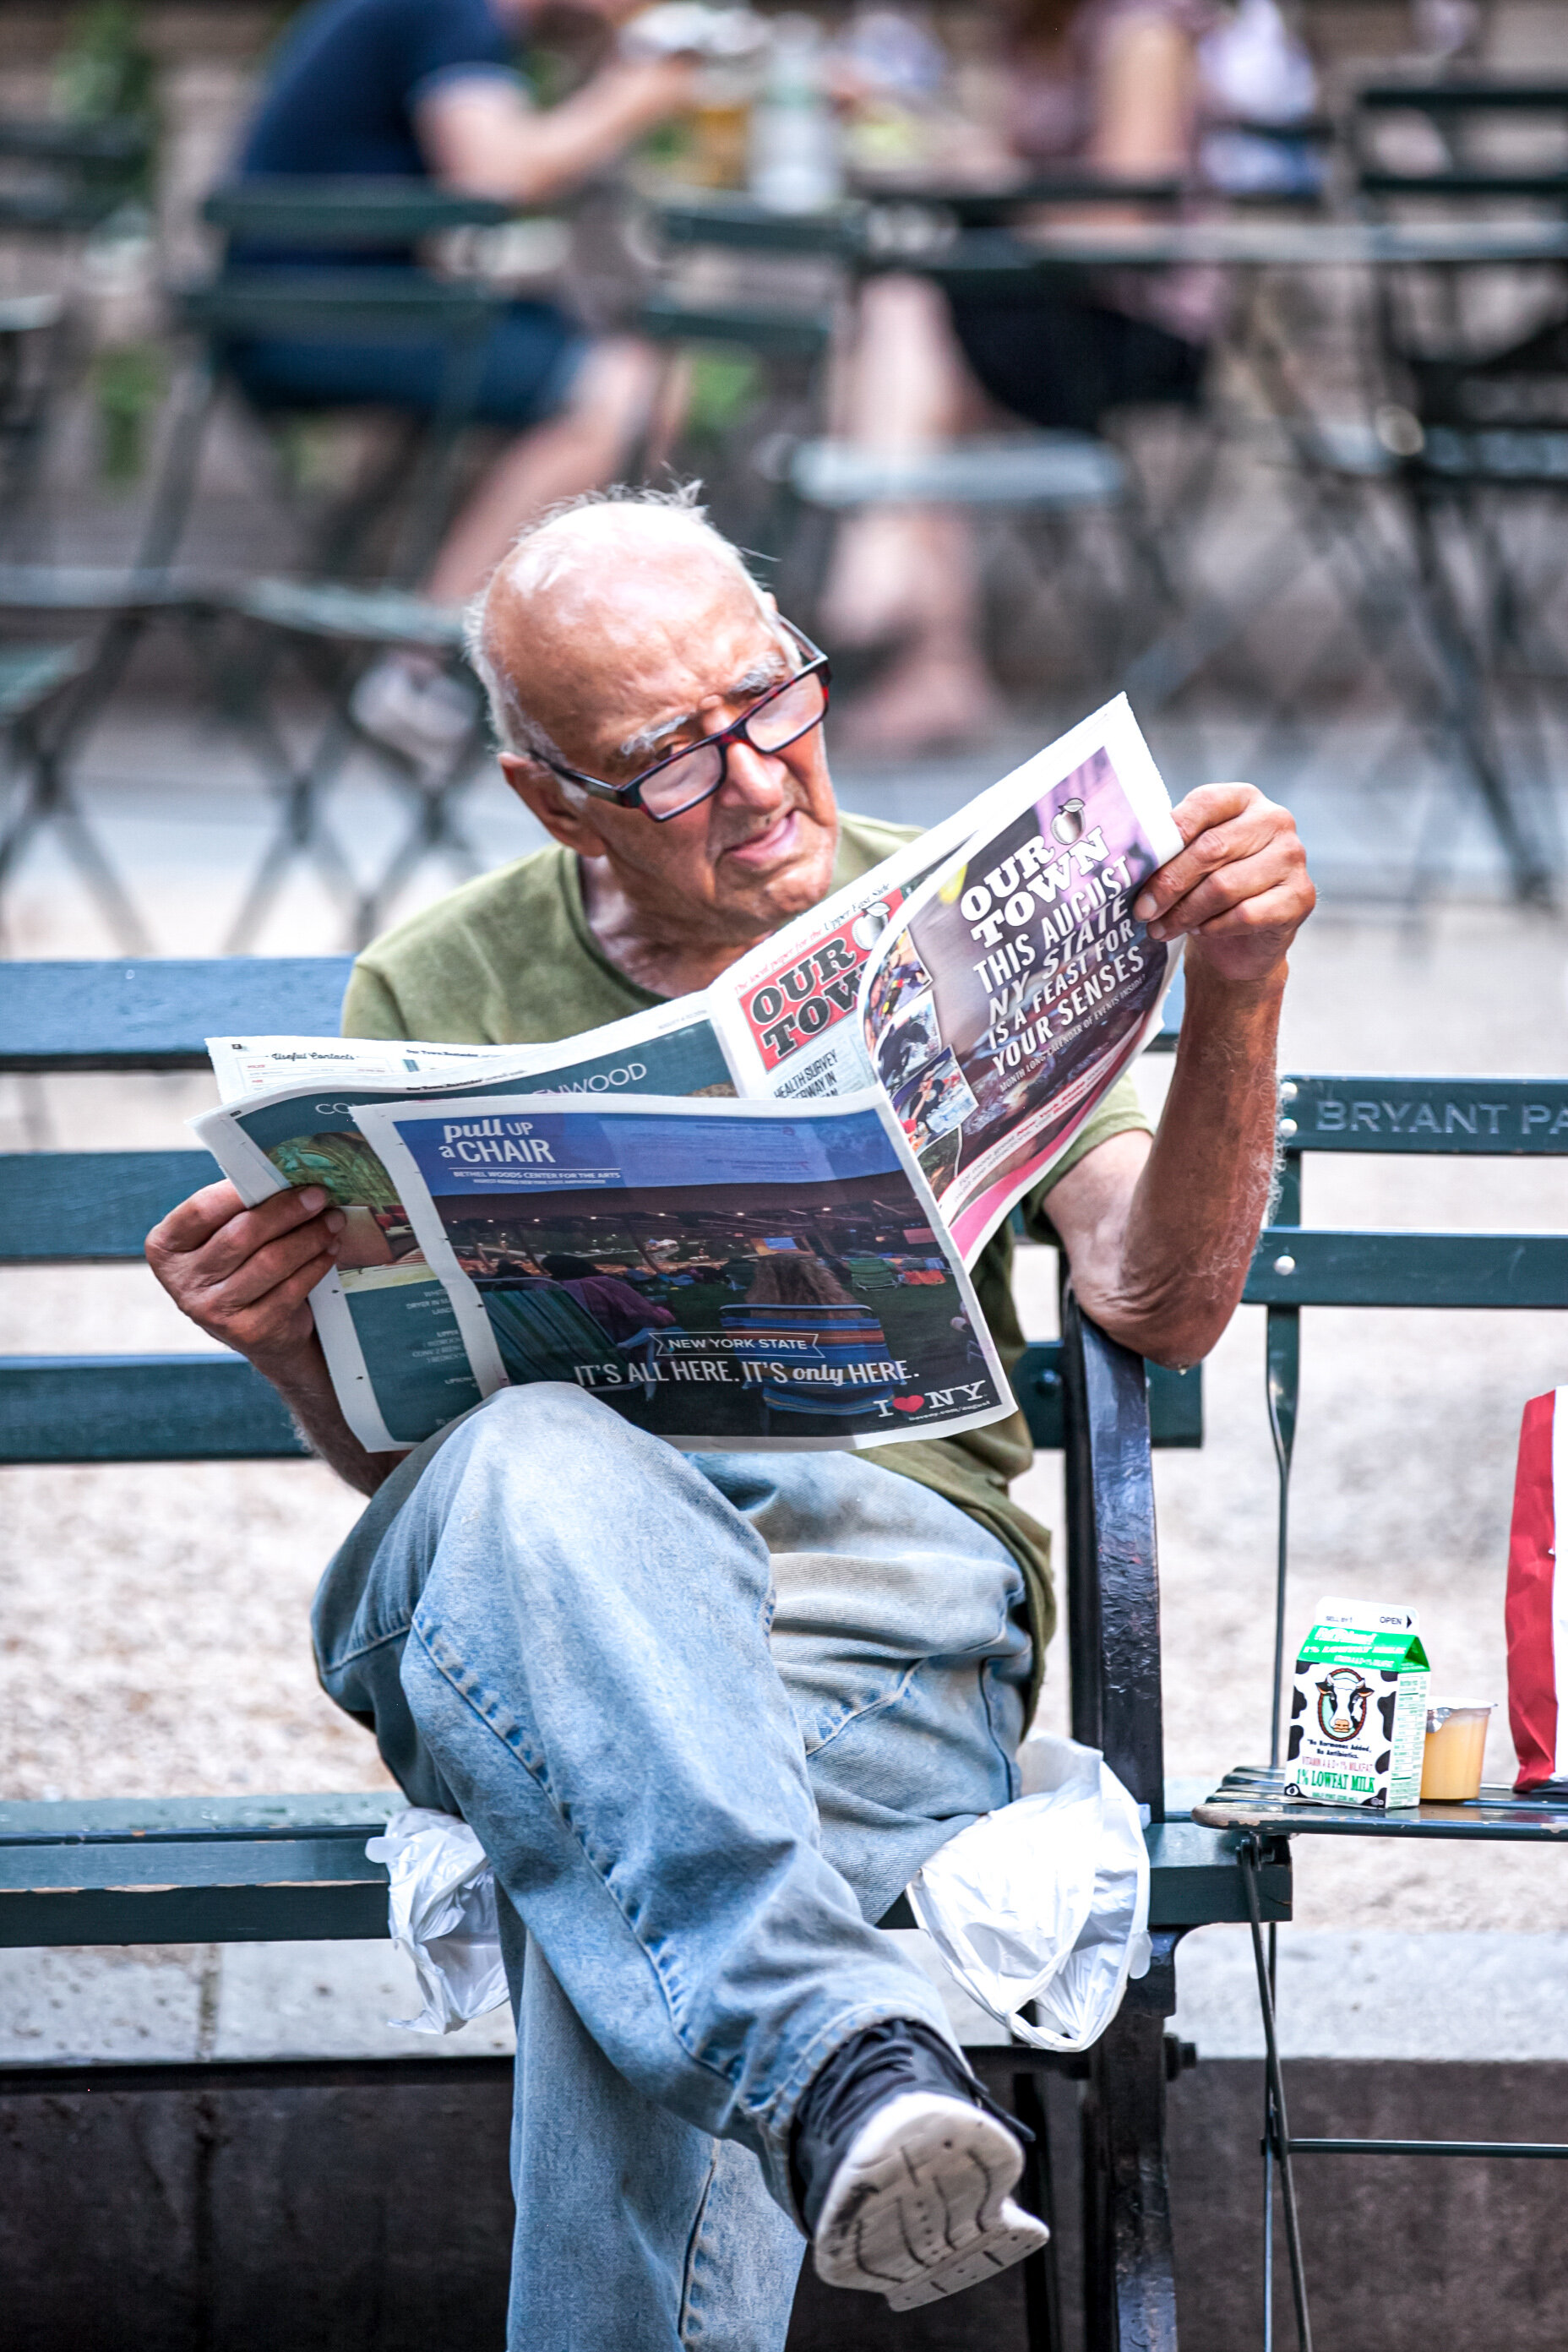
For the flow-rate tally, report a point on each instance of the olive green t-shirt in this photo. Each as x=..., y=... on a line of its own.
x=508, y=959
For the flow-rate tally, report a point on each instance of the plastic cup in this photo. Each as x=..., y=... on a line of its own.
x=1455, y=1743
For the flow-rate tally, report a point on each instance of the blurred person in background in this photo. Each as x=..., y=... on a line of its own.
x=412, y=88
x=1110, y=85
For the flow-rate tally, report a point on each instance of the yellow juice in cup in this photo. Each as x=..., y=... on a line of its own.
x=1455, y=1743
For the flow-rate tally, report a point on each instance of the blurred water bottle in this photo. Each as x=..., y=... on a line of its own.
x=795, y=155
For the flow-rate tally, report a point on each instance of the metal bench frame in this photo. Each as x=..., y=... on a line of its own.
x=282, y=1868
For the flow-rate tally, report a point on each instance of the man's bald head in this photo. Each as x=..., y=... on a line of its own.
x=587, y=598
x=616, y=633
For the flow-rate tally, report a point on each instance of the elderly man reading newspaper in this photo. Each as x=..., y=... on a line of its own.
x=709, y=1713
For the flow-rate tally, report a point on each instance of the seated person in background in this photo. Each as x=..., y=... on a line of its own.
x=1108, y=85
x=407, y=88
x=708, y=1713
x=610, y=1301
x=796, y=1279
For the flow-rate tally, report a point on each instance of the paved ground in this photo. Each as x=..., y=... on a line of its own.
x=154, y=1617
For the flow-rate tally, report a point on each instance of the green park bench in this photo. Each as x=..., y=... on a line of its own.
x=131, y=1871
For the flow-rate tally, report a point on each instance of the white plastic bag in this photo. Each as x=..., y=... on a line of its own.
x=441, y=1911
x=1046, y=1900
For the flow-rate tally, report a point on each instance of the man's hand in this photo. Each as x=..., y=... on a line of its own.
x=1160, y=1240
x=1240, y=891
x=244, y=1275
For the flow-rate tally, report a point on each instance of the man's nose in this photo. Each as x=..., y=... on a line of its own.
x=756, y=779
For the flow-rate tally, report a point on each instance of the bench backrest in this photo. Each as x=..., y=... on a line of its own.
x=1298, y=1266
x=96, y=1207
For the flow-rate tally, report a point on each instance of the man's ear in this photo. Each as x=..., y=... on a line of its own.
x=538, y=789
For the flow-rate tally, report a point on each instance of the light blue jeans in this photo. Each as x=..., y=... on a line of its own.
x=707, y=1716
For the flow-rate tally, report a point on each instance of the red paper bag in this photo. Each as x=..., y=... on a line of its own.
x=1538, y=1595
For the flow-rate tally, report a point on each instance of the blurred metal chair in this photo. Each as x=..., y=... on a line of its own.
x=58, y=175
x=329, y=625
x=31, y=371
x=1022, y=484
x=336, y=300
x=1473, y=420
x=1022, y=489
x=250, y=637
x=331, y=628
x=59, y=179
x=785, y=351
x=33, y=680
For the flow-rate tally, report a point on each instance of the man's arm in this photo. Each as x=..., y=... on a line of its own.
x=1159, y=1235
x=244, y=1276
x=483, y=137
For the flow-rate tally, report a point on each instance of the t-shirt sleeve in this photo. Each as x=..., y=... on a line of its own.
x=1120, y=1113
x=370, y=1008
x=447, y=41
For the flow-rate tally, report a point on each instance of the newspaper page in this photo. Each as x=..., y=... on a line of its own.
x=397, y=1352
x=722, y=1273
x=1011, y=991
x=786, y=1011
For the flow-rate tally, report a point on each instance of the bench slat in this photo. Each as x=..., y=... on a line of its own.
x=223, y=1909
x=91, y=1206
x=1478, y=1117
x=139, y=1409
x=61, y=1820
x=1298, y=1265
x=93, y=1882
x=138, y=1866
x=154, y=1012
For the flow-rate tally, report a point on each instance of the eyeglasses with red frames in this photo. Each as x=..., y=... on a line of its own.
x=694, y=773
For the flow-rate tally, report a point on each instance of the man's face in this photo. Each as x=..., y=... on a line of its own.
x=679, y=653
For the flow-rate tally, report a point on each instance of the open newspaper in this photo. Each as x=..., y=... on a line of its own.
x=750, y=1222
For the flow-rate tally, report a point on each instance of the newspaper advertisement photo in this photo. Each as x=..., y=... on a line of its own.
x=1014, y=987
x=397, y=1355
x=786, y=1010
x=724, y=1273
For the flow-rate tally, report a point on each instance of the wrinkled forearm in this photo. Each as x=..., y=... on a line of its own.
x=1167, y=1277
x=302, y=1380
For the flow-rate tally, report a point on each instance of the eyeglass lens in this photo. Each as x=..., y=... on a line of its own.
x=776, y=724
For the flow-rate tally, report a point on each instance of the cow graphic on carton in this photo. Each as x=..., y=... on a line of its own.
x=1358, y=1709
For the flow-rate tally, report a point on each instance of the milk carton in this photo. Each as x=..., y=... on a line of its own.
x=1357, y=1710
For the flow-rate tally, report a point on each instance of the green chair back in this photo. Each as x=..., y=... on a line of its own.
x=1297, y=1265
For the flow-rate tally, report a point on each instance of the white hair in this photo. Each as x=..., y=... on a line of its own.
x=545, y=556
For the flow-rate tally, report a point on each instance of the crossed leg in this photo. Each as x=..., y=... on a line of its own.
x=694, y=1804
